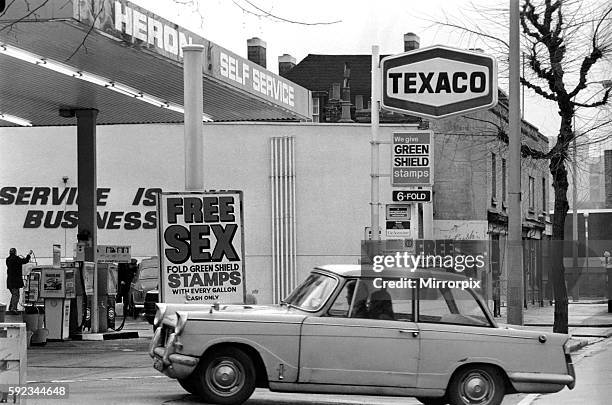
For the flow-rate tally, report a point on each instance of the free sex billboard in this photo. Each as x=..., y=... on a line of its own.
x=201, y=247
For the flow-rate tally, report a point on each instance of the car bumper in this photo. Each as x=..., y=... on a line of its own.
x=166, y=360
x=541, y=382
x=570, y=370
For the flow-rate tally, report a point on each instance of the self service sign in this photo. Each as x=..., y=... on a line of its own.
x=436, y=82
x=412, y=159
x=201, y=246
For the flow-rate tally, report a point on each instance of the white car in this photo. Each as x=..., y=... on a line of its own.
x=341, y=332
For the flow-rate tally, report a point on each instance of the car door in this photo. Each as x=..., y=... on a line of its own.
x=348, y=347
x=453, y=327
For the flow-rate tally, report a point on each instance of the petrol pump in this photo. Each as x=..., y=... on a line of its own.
x=57, y=288
x=78, y=314
x=107, y=290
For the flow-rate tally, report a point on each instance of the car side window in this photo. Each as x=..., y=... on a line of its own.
x=450, y=306
x=366, y=298
x=351, y=302
x=390, y=299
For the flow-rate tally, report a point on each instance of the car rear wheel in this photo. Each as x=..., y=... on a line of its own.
x=226, y=376
x=477, y=385
x=432, y=401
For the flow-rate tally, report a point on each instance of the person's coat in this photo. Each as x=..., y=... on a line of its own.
x=13, y=269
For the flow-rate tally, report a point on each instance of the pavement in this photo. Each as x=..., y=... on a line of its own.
x=588, y=321
x=593, y=375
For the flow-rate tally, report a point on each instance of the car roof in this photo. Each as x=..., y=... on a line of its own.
x=366, y=270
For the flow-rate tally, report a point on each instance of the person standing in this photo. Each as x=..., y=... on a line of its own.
x=14, y=280
x=126, y=271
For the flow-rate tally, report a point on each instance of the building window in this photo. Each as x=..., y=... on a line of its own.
x=493, y=177
x=315, y=109
x=504, y=180
x=544, y=207
x=531, y=193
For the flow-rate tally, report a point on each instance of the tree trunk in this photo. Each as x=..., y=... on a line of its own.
x=559, y=173
x=560, y=185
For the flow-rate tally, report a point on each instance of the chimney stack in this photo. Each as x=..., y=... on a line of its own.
x=411, y=42
x=286, y=62
x=256, y=51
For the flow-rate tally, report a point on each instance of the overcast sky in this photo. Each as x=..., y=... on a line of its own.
x=362, y=23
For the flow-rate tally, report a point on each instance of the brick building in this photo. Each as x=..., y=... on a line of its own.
x=333, y=79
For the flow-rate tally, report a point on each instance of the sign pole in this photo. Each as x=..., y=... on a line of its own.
x=374, y=175
x=428, y=220
x=194, y=131
x=515, y=246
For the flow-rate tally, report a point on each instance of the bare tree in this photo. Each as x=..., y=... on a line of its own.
x=555, y=31
x=566, y=43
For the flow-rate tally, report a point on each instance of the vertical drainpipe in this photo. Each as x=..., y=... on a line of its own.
x=282, y=185
x=279, y=216
x=293, y=219
x=273, y=221
x=286, y=217
x=284, y=211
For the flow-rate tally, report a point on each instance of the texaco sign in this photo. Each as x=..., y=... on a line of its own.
x=436, y=82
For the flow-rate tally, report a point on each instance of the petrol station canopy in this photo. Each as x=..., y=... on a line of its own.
x=125, y=62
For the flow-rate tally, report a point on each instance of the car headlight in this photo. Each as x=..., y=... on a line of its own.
x=181, y=321
x=159, y=315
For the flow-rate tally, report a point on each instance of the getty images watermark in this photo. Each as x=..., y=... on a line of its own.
x=384, y=261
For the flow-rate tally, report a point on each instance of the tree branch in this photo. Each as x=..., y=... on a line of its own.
x=553, y=43
x=93, y=24
x=502, y=135
x=269, y=14
x=25, y=16
x=6, y=8
x=536, y=65
x=471, y=31
x=595, y=55
x=539, y=90
x=599, y=103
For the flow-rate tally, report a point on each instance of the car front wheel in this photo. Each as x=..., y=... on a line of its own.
x=477, y=385
x=189, y=384
x=226, y=376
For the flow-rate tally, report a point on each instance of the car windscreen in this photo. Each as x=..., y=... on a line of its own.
x=313, y=293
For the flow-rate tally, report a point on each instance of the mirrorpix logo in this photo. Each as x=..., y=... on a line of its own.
x=426, y=282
